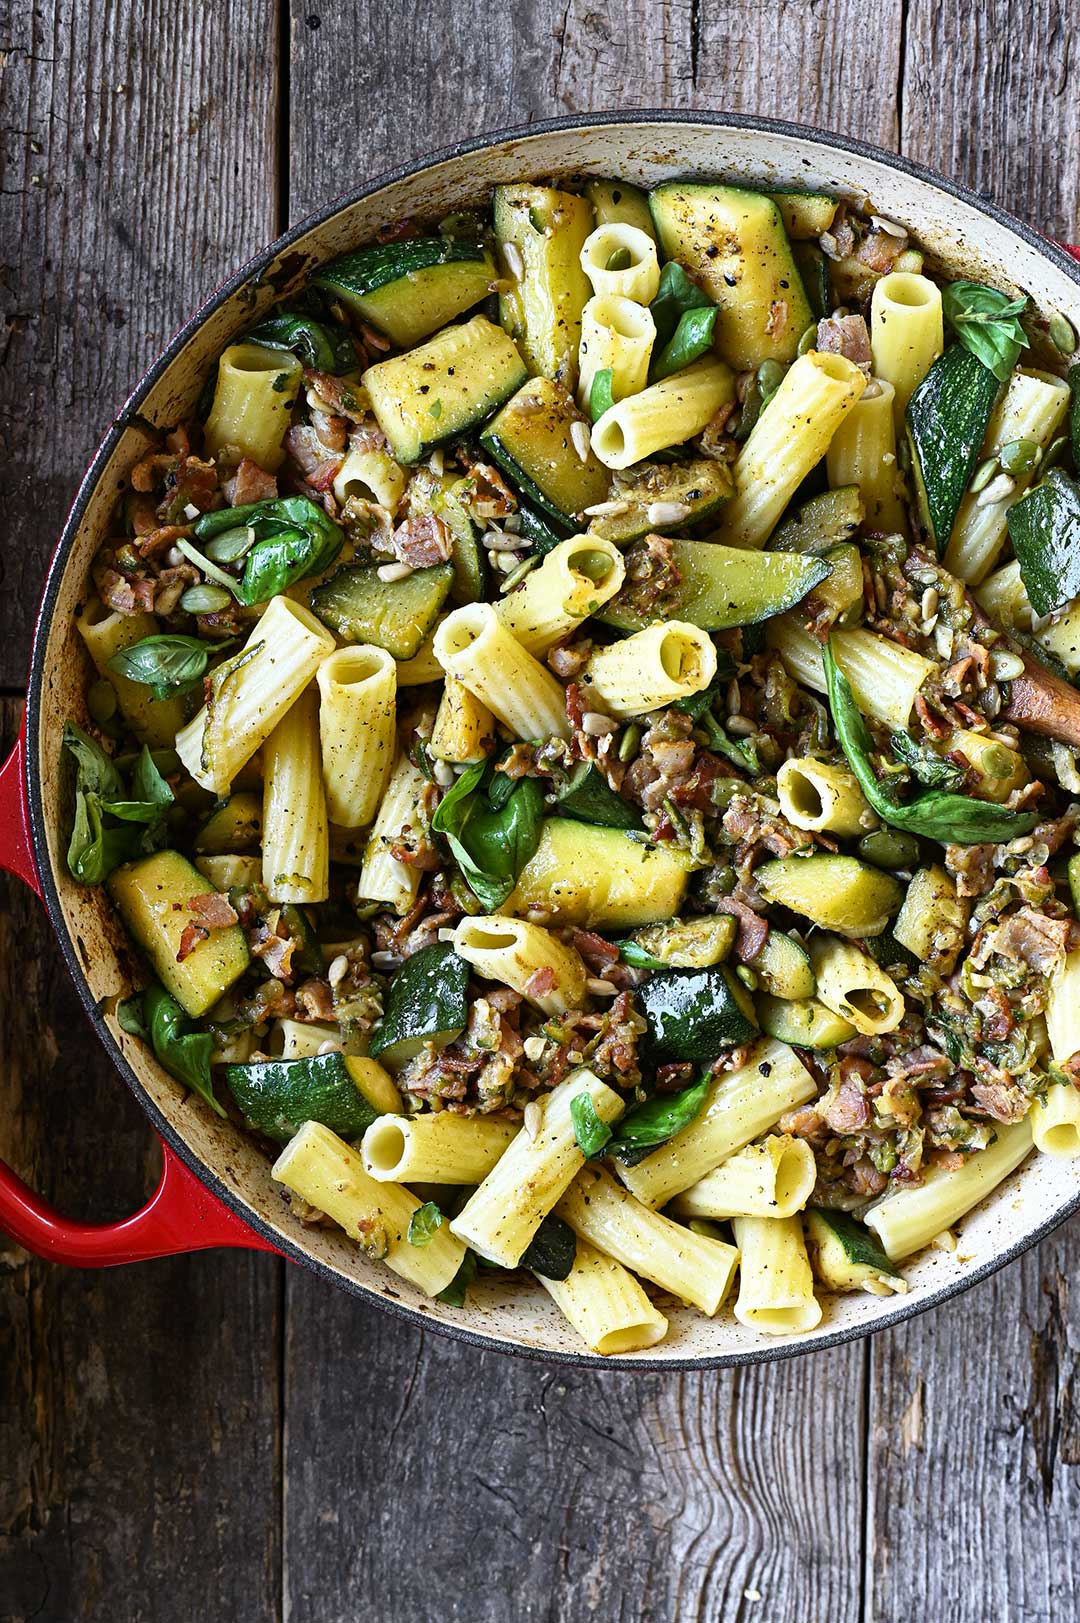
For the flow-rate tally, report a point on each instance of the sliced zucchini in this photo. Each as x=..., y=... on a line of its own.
x=151, y=896
x=395, y=615
x=845, y=1256
x=541, y=233
x=1044, y=528
x=444, y=388
x=697, y=943
x=532, y=441
x=947, y=417
x=822, y=522
x=835, y=892
x=409, y=289
x=699, y=489
x=615, y=202
x=814, y=270
x=225, y=872
x=435, y=493
x=276, y=1097
x=427, y=1003
x=536, y=529
x=696, y=1015
x=733, y=242
x=839, y=597
x=804, y=1023
x=583, y=873
x=805, y=214
x=720, y=587
x=235, y=824
x=783, y=967
x=588, y=796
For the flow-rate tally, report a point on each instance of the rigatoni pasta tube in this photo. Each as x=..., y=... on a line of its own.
x=772, y=1179
x=776, y=1285
x=605, y=1304
x=638, y=275
x=884, y=677
x=155, y=722
x=1032, y=408
x=323, y=1170
x=817, y=795
x=908, y=1219
x=906, y=333
x=501, y=1217
x=789, y=438
x=862, y=452
x=617, y=335
x=739, y=1107
x=696, y=1269
x=574, y=580
x=853, y=986
x=251, y=691
x=437, y=1147
x=1055, y=1121
x=525, y=957
x=474, y=645
x=372, y=475
x=383, y=878
x=667, y=413
x=357, y=688
x=254, y=395
x=464, y=730
x=296, y=834
x=667, y=661
x=581, y=873
x=1063, y=1010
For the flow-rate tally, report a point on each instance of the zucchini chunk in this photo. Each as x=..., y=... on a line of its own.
x=821, y=523
x=615, y=202
x=541, y=233
x=835, y=892
x=805, y=214
x=814, y=269
x=432, y=493
x=698, y=488
x=588, y=796
x=947, y=418
x=582, y=873
x=234, y=824
x=444, y=388
x=410, y=289
x=151, y=896
x=696, y=1015
x=532, y=441
x=1044, y=528
x=396, y=615
x=720, y=587
x=802, y=1022
x=427, y=1003
x=783, y=967
x=845, y=1256
x=733, y=242
x=697, y=943
x=346, y=1094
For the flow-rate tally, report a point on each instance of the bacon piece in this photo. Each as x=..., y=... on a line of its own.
x=213, y=909
x=847, y=336
x=318, y=465
x=599, y=955
x=753, y=929
x=314, y=1001
x=191, y=937
x=422, y=541
x=250, y=483
x=540, y=982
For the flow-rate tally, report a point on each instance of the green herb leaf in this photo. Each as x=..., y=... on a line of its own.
x=490, y=843
x=167, y=663
x=987, y=323
x=674, y=297
x=97, y=772
x=455, y=1293
x=552, y=1249
x=323, y=345
x=129, y=1015
x=95, y=846
x=294, y=539
x=651, y=1124
x=601, y=398
x=949, y=819
x=423, y=1223
x=183, y=1051
x=922, y=762
x=591, y=1133
x=692, y=337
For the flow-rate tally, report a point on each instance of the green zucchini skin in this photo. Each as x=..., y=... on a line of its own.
x=802, y=1022
x=844, y=1254
x=427, y=1002
x=396, y=615
x=589, y=797
x=701, y=487
x=234, y=824
x=696, y=1015
x=947, y=417
x=824, y=521
x=814, y=270
x=531, y=439
x=409, y=289
x=783, y=967
x=279, y=1095
x=722, y=587
x=1044, y=528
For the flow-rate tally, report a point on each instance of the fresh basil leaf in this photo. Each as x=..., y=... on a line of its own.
x=601, y=398
x=324, y=346
x=94, y=849
x=552, y=1249
x=591, y=1133
x=294, y=539
x=949, y=819
x=454, y=1294
x=129, y=1016
x=924, y=764
x=632, y=952
x=184, y=1052
x=674, y=297
x=147, y=783
x=96, y=771
x=692, y=337
x=168, y=663
x=652, y=1123
x=423, y=1223
x=987, y=323
x=490, y=844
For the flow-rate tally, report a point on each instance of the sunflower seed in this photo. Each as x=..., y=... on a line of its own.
x=595, y=724
x=734, y=698
x=929, y=605
x=1005, y=666
x=579, y=433
x=666, y=512
x=444, y=774
x=384, y=960
x=395, y=571
x=338, y=969
x=609, y=509
x=446, y=934
x=1062, y=333
x=597, y=987
x=533, y=1118
x=741, y=726
x=890, y=227
x=534, y=1048
x=174, y=558
x=504, y=561
x=996, y=491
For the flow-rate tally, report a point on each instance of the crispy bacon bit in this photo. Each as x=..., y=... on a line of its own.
x=170, y=585
x=847, y=336
x=422, y=540
x=1028, y=937
x=155, y=543
x=651, y=574
x=540, y=982
x=191, y=937
x=213, y=909
x=150, y=472
x=249, y=483
x=933, y=725
x=314, y=1001
x=671, y=1078
x=847, y=1110
x=318, y=465
x=192, y=483
x=118, y=591
x=333, y=431
x=340, y=398
x=753, y=929
x=569, y=659
x=879, y=250
x=599, y=955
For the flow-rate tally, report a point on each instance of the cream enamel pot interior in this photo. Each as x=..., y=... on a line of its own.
x=243, y=1205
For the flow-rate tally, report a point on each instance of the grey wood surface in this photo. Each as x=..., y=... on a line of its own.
x=219, y=1436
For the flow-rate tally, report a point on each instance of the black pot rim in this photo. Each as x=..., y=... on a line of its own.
x=254, y=268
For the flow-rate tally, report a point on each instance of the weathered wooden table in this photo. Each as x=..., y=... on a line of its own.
x=221, y=1437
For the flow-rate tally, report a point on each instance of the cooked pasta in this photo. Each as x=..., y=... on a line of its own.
x=525, y=957
x=254, y=395
x=772, y=1179
x=356, y=727
x=906, y=333
x=816, y=795
x=862, y=452
x=664, y=414
x=653, y=668
x=776, y=1287
x=617, y=335
x=573, y=582
x=296, y=836
x=384, y=877
x=636, y=275
x=475, y=646
x=435, y=1148
x=605, y=1304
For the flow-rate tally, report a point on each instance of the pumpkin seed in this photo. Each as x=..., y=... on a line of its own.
x=1019, y=456
x=205, y=599
x=890, y=848
x=620, y=260
x=230, y=545
x=808, y=339
x=628, y=743
x=519, y=573
x=983, y=474
x=770, y=375
x=1062, y=333
x=1054, y=452
x=101, y=701
x=1005, y=666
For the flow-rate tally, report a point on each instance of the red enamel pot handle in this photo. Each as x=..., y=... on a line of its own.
x=181, y=1215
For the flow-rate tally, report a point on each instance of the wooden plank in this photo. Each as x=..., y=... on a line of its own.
x=972, y=1420
x=130, y=186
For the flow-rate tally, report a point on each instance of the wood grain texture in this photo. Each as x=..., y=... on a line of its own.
x=128, y=186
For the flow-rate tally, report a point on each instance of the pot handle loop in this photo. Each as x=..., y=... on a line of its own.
x=181, y=1214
